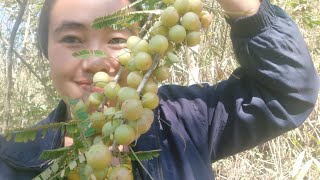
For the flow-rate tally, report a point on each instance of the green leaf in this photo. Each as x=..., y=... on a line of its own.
x=46, y=174
x=82, y=158
x=119, y=21
x=81, y=115
x=54, y=154
x=86, y=54
x=144, y=155
x=72, y=165
x=89, y=132
x=72, y=128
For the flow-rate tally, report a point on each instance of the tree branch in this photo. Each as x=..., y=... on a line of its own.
x=9, y=84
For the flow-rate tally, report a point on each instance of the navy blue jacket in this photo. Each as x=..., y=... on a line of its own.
x=273, y=91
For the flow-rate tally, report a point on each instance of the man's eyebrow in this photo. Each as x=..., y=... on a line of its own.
x=69, y=25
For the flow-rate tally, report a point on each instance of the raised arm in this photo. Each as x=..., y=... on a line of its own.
x=273, y=91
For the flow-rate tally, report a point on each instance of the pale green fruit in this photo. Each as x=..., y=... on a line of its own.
x=131, y=65
x=191, y=21
x=127, y=93
x=173, y=58
x=124, y=57
x=206, y=19
x=182, y=6
x=99, y=156
x=142, y=46
x=98, y=120
x=158, y=44
x=120, y=173
x=131, y=109
x=193, y=38
x=111, y=90
x=95, y=99
x=196, y=6
x=134, y=79
x=97, y=139
x=80, y=106
x=143, y=124
x=150, y=86
x=133, y=41
x=100, y=79
x=109, y=113
x=169, y=17
x=100, y=174
x=168, y=1
x=143, y=61
x=159, y=28
x=150, y=100
x=162, y=73
x=124, y=135
x=110, y=127
x=177, y=34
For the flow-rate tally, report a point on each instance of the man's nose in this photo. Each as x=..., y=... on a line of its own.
x=96, y=64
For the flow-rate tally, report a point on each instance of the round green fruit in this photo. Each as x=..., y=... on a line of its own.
x=120, y=173
x=141, y=46
x=143, y=124
x=193, y=38
x=133, y=41
x=168, y=1
x=169, y=17
x=191, y=21
x=177, y=34
x=134, y=79
x=150, y=100
x=150, y=86
x=162, y=73
x=124, y=135
x=159, y=28
x=196, y=6
x=124, y=57
x=182, y=6
x=98, y=120
x=206, y=19
x=142, y=61
x=99, y=156
x=110, y=127
x=100, y=79
x=111, y=90
x=158, y=44
x=131, y=109
x=127, y=93
x=131, y=65
x=95, y=99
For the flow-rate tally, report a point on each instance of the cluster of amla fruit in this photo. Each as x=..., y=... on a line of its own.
x=132, y=114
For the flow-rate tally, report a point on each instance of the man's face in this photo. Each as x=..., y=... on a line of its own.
x=70, y=31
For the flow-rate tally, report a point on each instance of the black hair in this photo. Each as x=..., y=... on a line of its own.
x=43, y=26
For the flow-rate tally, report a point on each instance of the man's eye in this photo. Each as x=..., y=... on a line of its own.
x=71, y=40
x=118, y=41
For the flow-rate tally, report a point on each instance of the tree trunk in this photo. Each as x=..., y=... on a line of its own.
x=9, y=65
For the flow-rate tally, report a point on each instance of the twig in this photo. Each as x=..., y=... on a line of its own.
x=149, y=73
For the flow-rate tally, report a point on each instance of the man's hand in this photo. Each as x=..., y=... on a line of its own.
x=240, y=8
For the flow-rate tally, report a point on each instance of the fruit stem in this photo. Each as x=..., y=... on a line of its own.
x=116, y=80
x=148, y=74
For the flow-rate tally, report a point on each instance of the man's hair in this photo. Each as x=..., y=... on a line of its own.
x=43, y=26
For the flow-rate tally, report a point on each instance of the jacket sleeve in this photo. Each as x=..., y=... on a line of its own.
x=273, y=91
